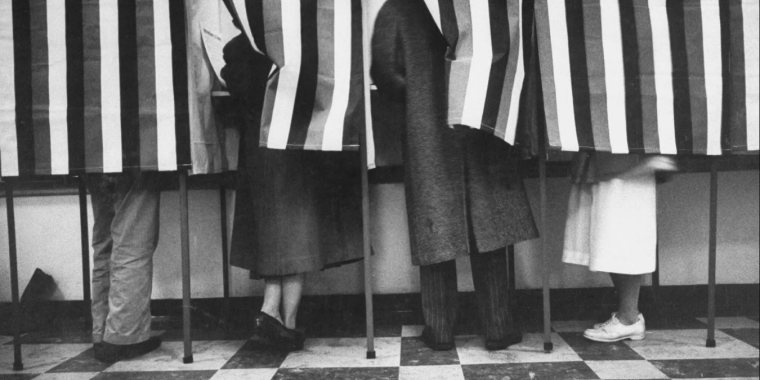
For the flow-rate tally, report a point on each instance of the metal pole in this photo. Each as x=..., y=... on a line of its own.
x=185, y=248
x=363, y=138
x=225, y=255
x=84, y=229
x=548, y=345
x=18, y=365
x=712, y=248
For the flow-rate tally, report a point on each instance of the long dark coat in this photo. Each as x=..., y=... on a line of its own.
x=462, y=189
x=295, y=211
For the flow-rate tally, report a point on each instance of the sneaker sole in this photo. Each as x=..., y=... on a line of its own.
x=631, y=337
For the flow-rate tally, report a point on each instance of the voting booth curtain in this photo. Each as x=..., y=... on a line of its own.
x=104, y=86
x=650, y=76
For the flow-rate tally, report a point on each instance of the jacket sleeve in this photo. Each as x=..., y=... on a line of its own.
x=387, y=68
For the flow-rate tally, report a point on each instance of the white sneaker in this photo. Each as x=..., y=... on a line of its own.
x=613, y=330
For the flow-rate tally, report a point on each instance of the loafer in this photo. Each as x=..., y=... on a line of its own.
x=275, y=334
x=111, y=353
x=503, y=343
x=429, y=340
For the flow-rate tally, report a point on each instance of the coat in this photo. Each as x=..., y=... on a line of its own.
x=295, y=211
x=462, y=190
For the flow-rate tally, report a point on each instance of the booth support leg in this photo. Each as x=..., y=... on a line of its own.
x=225, y=254
x=548, y=345
x=185, y=253
x=84, y=228
x=364, y=138
x=18, y=365
x=712, y=247
x=367, y=261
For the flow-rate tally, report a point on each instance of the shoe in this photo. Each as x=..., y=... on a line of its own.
x=111, y=353
x=275, y=334
x=427, y=338
x=613, y=330
x=500, y=344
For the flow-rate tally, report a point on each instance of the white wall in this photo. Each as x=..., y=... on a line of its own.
x=47, y=230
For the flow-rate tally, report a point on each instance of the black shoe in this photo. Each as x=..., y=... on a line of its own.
x=427, y=338
x=111, y=353
x=500, y=344
x=275, y=334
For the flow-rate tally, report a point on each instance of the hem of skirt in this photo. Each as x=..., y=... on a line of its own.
x=618, y=269
x=313, y=266
x=576, y=258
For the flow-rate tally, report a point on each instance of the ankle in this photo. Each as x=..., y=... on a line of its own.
x=290, y=322
x=627, y=317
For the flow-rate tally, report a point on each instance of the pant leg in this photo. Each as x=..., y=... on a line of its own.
x=135, y=236
x=103, y=213
x=489, y=274
x=438, y=288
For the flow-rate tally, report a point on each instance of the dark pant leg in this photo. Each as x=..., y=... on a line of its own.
x=489, y=274
x=438, y=287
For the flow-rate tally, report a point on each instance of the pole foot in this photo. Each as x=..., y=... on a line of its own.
x=710, y=343
x=371, y=355
x=187, y=359
x=548, y=347
x=18, y=366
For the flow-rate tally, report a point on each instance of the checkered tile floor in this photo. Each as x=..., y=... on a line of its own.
x=677, y=352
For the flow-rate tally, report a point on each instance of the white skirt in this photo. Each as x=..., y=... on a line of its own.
x=612, y=226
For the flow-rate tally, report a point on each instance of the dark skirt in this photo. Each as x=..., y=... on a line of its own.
x=296, y=211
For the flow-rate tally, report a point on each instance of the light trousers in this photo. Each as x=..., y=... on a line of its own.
x=124, y=237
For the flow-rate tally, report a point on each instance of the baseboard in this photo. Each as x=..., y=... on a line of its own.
x=566, y=304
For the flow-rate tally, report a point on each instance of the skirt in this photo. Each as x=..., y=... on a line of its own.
x=612, y=226
x=296, y=212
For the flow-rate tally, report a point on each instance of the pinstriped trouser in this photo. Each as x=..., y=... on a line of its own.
x=124, y=237
x=438, y=283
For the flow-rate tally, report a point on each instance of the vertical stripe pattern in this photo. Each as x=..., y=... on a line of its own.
x=57, y=87
x=314, y=95
x=110, y=83
x=649, y=76
x=8, y=139
x=40, y=89
x=485, y=62
x=94, y=86
x=750, y=22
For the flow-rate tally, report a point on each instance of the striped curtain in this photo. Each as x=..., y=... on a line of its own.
x=650, y=76
x=314, y=97
x=94, y=86
x=485, y=62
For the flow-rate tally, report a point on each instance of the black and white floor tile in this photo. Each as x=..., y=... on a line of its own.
x=670, y=351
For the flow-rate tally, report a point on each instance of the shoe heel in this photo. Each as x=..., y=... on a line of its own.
x=637, y=337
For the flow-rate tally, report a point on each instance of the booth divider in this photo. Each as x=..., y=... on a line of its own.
x=363, y=143
x=18, y=364
x=84, y=229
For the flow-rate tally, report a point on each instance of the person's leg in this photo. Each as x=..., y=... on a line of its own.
x=627, y=322
x=628, y=287
x=103, y=214
x=489, y=274
x=135, y=236
x=272, y=297
x=280, y=292
x=438, y=288
x=292, y=288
